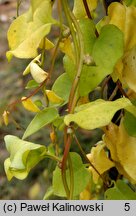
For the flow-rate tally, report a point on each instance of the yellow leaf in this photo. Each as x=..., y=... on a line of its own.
x=125, y=19
x=100, y=161
x=96, y=114
x=29, y=105
x=27, y=30
x=6, y=117
x=66, y=47
x=79, y=9
x=124, y=147
x=46, y=44
x=38, y=74
x=52, y=97
x=129, y=70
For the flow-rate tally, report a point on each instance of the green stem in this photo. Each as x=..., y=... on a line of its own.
x=72, y=97
x=18, y=5
x=67, y=141
x=73, y=33
x=63, y=173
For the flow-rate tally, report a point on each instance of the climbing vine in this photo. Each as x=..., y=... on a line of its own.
x=99, y=56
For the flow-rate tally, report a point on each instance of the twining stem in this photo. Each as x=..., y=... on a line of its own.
x=79, y=52
x=73, y=95
x=67, y=12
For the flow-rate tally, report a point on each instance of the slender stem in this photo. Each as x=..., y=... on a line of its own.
x=18, y=5
x=73, y=33
x=113, y=93
x=86, y=158
x=63, y=174
x=104, y=83
x=121, y=89
x=54, y=57
x=66, y=151
x=87, y=9
x=72, y=97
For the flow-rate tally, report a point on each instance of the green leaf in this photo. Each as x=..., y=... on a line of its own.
x=69, y=67
x=108, y=48
x=81, y=177
x=59, y=123
x=32, y=84
x=62, y=86
x=130, y=123
x=27, y=31
x=91, y=76
x=120, y=191
x=23, y=156
x=88, y=30
x=96, y=114
x=43, y=118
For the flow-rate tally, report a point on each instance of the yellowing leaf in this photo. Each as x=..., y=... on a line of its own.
x=54, y=98
x=66, y=47
x=79, y=9
x=124, y=147
x=124, y=18
x=99, y=159
x=29, y=105
x=96, y=114
x=26, y=32
x=46, y=44
x=129, y=70
x=6, y=117
x=23, y=156
x=38, y=74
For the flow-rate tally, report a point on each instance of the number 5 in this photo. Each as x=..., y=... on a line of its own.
x=127, y=207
